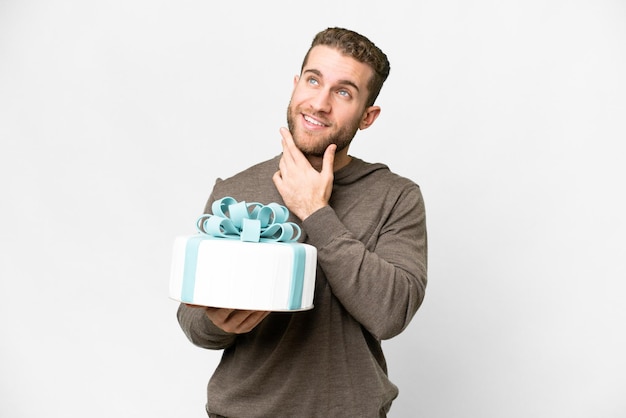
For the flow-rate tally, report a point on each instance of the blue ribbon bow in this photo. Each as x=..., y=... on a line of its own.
x=251, y=222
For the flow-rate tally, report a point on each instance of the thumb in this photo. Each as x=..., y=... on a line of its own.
x=329, y=159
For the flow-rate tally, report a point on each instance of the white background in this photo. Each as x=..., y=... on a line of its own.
x=116, y=117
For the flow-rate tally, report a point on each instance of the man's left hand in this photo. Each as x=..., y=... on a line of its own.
x=303, y=189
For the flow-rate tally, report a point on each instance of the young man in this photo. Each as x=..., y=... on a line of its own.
x=368, y=225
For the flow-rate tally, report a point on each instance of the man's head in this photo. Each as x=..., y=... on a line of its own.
x=341, y=76
x=360, y=48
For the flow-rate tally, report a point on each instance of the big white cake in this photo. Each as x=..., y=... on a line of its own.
x=220, y=269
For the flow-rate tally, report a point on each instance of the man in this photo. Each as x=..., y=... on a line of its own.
x=368, y=225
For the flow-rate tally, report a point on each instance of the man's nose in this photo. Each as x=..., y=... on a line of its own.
x=321, y=102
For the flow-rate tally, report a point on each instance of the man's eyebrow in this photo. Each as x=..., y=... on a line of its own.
x=341, y=82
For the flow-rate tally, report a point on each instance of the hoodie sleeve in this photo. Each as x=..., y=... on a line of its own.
x=381, y=278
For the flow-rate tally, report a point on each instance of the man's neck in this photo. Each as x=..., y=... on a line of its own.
x=340, y=162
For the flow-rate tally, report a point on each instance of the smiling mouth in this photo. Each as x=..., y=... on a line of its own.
x=313, y=121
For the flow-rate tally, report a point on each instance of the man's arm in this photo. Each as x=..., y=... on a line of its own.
x=383, y=286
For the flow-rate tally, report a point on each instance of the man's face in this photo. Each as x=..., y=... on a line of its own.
x=328, y=102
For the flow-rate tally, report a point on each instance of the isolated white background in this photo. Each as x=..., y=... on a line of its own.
x=116, y=117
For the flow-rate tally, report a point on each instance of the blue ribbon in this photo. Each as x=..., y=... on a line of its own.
x=250, y=222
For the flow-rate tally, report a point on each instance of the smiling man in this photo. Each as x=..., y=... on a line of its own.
x=368, y=225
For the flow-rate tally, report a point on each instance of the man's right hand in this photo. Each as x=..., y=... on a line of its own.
x=235, y=321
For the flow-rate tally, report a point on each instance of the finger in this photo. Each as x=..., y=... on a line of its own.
x=282, y=162
x=241, y=321
x=218, y=316
x=286, y=135
x=286, y=142
x=329, y=159
x=252, y=320
x=277, y=179
x=290, y=148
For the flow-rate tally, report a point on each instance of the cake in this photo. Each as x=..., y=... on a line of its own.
x=244, y=256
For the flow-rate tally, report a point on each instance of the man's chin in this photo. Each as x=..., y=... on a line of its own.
x=313, y=154
x=310, y=152
x=309, y=149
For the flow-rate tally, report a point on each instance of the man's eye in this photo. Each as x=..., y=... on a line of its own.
x=344, y=93
x=313, y=81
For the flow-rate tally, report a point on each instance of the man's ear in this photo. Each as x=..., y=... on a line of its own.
x=296, y=78
x=369, y=116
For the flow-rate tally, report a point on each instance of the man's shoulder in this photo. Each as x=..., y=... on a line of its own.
x=381, y=173
x=262, y=168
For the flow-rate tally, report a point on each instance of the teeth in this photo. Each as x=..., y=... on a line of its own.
x=313, y=121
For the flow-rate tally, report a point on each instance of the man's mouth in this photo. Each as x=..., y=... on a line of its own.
x=313, y=121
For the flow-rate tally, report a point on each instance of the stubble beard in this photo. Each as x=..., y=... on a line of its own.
x=342, y=138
